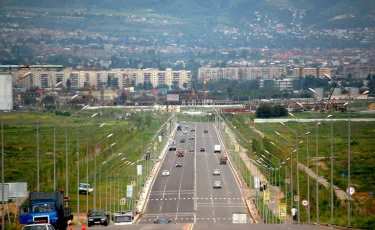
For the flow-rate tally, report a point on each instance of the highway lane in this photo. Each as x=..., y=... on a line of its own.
x=214, y=205
x=187, y=195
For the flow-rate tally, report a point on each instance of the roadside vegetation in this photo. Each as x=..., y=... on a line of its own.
x=362, y=162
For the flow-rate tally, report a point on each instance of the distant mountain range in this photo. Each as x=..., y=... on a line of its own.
x=315, y=13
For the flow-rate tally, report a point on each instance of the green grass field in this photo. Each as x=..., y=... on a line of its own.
x=133, y=137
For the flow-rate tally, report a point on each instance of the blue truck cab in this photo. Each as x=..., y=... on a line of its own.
x=179, y=128
x=46, y=207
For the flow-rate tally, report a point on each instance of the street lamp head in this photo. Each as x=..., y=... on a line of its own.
x=366, y=92
x=59, y=83
x=307, y=133
x=94, y=114
x=318, y=123
x=329, y=116
x=119, y=154
x=291, y=114
x=313, y=91
x=27, y=74
x=264, y=156
x=123, y=158
x=281, y=123
x=288, y=158
x=101, y=124
x=85, y=107
x=294, y=151
x=113, y=144
x=299, y=104
x=104, y=162
x=301, y=142
x=346, y=103
x=74, y=96
x=266, y=151
x=277, y=133
x=110, y=135
x=327, y=76
x=272, y=143
x=283, y=162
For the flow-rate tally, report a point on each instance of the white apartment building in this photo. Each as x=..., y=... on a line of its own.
x=242, y=73
x=96, y=78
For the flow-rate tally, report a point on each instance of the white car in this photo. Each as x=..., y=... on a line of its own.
x=216, y=172
x=184, y=132
x=38, y=227
x=217, y=184
x=165, y=173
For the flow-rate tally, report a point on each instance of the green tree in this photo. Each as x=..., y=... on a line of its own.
x=230, y=92
x=263, y=111
x=68, y=84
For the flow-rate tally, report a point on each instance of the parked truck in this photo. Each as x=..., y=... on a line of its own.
x=85, y=188
x=223, y=160
x=217, y=149
x=47, y=207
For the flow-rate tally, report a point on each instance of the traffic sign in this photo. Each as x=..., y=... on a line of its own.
x=350, y=191
x=132, y=183
x=122, y=201
x=305, y=203
x=342, y=174
x=296, y=198
x=282, y=211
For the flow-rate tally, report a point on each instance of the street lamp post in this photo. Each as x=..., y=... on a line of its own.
x=349, y=157
x=297, y=170
x=316, y=160
x=95, y=188
x=291, y=169
x=307, y=165
x=100, y=177
x=66, y=152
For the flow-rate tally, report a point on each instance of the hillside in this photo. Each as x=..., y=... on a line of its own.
x=316, y=13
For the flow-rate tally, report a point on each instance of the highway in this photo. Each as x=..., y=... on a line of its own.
x=187, y=194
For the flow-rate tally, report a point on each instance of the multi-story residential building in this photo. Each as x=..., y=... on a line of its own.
x=215, y=74
x=242, y=73
x=97, y=78
x=358, y=71
x=316, y=72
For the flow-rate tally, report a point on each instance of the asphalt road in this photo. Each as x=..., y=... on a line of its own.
x=187, y=194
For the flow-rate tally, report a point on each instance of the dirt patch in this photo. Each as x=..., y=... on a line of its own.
x=371, y=106
x=320, y=164
x=49, y=153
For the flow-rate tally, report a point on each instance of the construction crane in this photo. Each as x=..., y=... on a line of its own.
x=330, y=95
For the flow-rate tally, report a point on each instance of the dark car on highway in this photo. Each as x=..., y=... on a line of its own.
x=97, y=218
x=162, y=221
x=203, y=149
